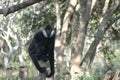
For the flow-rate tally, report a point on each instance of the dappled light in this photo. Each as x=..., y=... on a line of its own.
x=82, y=41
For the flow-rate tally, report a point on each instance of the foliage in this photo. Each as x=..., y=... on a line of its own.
x=36, y=17
x=26, y=22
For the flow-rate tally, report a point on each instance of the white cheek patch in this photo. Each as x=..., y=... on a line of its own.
x=52, y=33
x=44, y=33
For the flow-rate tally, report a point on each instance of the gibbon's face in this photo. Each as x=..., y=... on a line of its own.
x=48, y=31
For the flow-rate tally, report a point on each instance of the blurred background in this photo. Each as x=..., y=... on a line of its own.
x=87, y=45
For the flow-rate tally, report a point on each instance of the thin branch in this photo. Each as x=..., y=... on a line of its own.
x=112, y=22
x=113, y=7
x=93, y=4
x=100, y=33
x=105, y=9
x=106, y=5
x=17, y=7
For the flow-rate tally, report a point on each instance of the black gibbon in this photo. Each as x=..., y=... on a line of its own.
x=42, y=48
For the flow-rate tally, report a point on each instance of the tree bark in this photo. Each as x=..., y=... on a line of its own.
x=23, y=72
x=17, y=7
x=58, y=17
x=62, y=40
x=85, y=9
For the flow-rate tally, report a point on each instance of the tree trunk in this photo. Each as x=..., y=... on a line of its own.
x=23, y=72
x=6, y=61
x=85, y=8
x=61, y=42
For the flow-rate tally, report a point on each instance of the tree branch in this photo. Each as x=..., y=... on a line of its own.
x=107, y=15
x=17, y=7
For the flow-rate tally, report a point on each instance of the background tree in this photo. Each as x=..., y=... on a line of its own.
x=87, y=34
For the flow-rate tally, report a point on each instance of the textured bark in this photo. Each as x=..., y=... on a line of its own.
x=67, y=18
x=62, y=40
x=17, y=7
x=58, y=17
x=23, y=72
x=85, y=10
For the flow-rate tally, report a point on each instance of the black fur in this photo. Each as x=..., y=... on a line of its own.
x=42, y=48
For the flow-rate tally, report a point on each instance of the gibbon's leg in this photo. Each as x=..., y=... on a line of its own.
x=42, y=76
